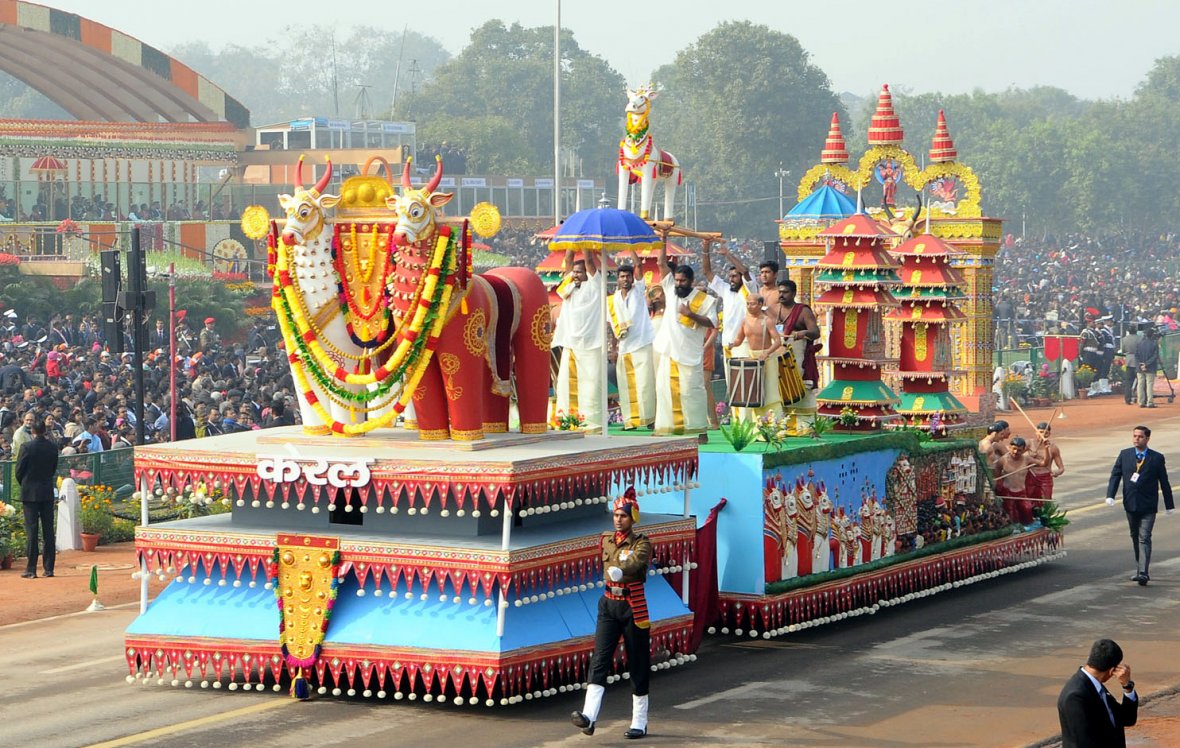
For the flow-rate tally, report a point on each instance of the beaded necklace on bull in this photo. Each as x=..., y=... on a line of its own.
x=445, y=267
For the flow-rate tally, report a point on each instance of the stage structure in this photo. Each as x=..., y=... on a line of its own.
x=952, y=194
x=451, y=570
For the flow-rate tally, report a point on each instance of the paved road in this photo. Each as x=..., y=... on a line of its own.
x=980, y=665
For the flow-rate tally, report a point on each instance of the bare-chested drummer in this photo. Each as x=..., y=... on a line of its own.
x=757, y=332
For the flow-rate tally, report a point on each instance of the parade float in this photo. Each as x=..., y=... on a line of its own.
x=888, y=501
x=453, y=559
x=445, y=560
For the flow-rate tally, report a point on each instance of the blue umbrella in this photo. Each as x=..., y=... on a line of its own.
x=826, y=202
x=604, y=229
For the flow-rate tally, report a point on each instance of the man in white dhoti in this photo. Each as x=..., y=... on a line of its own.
x=579, y=333
x=635, y=368
x=733, y=290
x=681, y=402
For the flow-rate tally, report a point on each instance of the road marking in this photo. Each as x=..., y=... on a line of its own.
x=160, y=732
x=83, y=665
x=721, y=696
x=63, y=615
x=1090, y=508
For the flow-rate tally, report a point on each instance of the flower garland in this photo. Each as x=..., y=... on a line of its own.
x=410, y=339
x=408, y=362
x=349, y=307
x=437, y=320
x=302, y=665
x=327, y=383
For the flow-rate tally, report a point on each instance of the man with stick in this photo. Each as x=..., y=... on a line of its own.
x=1012, y=485
x=1047, y=450
x=992, y=446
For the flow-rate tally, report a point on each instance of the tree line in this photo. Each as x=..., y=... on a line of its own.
x=737, y=104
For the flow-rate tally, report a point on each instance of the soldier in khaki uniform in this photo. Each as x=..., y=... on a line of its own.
x=622, y=611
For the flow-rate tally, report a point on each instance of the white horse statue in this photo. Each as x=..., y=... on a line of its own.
x=640, y=161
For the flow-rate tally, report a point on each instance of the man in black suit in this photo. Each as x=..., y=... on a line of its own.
x=1089, y=715
x=1143, y=473
x=35, y=470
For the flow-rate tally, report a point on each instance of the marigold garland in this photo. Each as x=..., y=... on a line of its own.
x=408, y=340
x=410, y=359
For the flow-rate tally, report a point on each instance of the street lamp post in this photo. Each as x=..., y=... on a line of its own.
x=781, y=174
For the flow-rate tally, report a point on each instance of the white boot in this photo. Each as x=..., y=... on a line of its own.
x=638, y=717
x=585, y=719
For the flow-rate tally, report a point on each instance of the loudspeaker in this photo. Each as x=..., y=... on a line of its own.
x=771, y=251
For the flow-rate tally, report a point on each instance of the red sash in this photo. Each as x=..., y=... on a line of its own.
x=810, y=369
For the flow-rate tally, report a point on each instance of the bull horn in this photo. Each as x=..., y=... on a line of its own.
x=321, y=185
x=432, y=185
x=299, y=174
x=406, y=174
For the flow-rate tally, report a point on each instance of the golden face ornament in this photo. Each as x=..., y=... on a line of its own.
x=306, y=570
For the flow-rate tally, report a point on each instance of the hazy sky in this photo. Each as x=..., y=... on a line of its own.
x=1092, y=48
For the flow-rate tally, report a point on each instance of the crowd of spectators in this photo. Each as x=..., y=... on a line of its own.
x=98, y=208
x=1059, y=284
x=61, y=371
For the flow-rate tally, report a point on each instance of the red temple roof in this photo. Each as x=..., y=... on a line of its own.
x=856, y=298
x=926, y=245
x=858, y=226
x=942, y=148
x=885, y=128
x=835, y=151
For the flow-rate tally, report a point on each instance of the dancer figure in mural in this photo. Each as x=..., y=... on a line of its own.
x=773, y=552
x=890, y=537
x=853, y=551
x=839, y=535
x=807, y=522
x=789, y=531
x=823, y=527
x=878, y=530
x=866, y=531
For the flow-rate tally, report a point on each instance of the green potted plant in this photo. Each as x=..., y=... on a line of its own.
x=1084, y=377
x=94, y=514
x=1016, y=387
x=12, y=536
